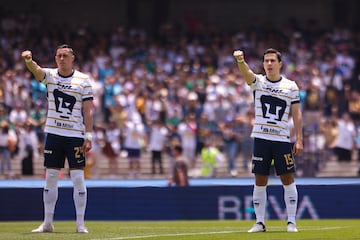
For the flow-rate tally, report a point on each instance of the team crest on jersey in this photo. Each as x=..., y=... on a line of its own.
x=272, y=108
x=64, y=103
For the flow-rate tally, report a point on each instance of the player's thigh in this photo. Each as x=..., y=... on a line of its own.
x=262, y=156
x=74, y=152
x=54, y=155
x=283, y=158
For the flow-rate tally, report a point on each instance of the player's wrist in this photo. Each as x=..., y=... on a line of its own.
x=88, y=136
x=240, y=60
x=27, y=60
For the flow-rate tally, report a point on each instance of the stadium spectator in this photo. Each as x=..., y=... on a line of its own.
x=112, y=88
x=119, y=115
x=275, y=97
x=37, y=118
x=357, y=146
x=230, y=130
x=187, y=129
x=69, y=127
x=112, y=146
x=6, y=146
x=345, y=140
x=329, y=130
x=211, y=158
x=18, y=115
x=205, y=128
x=246, y=143
x=3, y=115
x=157, y=140
x=134, y=141
x=96, y=154
x=28, y=148
x=174, y=112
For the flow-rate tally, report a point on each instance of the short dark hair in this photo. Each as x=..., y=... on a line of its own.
x=66, y=46
x=178, y=148
x=272, y=50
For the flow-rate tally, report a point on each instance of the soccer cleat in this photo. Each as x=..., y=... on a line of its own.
x=81, y=229
x=291, y=227
x=44, y=228
x=258, y=227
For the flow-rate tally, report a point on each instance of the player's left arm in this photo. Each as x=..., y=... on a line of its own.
x=88, y=122
x=297, y=117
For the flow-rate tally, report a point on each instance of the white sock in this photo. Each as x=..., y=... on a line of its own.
x=50, y=194
x=259, y=200
x=291, y=201
x=79, y=195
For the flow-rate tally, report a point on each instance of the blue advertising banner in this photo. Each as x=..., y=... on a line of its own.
x=182, y=203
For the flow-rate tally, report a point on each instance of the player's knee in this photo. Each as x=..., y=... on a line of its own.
x=261, y=180
x=287, y=178
x=77, y=177
x=52, y=176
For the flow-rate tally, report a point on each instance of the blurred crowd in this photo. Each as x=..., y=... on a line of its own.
x=179, y=86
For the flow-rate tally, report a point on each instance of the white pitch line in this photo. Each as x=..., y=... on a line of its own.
x=220, y=232
x=169, y=235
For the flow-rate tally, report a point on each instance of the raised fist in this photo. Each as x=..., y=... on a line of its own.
x=26, y=55
x=239, y=55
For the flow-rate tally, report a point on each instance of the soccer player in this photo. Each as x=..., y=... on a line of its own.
x=179, y=176
x=68, y=130
x=275, y=97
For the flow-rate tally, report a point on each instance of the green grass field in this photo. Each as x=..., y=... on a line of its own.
x=189, y=230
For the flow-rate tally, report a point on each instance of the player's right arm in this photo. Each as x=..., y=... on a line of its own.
x=33, y=67
x=244, y=68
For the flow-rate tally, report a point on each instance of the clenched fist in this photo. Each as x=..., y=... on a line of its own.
x=239, y=55
x=26, y=55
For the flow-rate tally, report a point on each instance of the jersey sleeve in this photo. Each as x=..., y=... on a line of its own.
x=295, y=94
x=254, y=84
x=47, y=71
x=87, y=91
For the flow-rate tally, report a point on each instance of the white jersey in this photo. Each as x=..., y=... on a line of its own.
x=65, y=98
x=157, y=138
x=134, y=135
x=272, y=107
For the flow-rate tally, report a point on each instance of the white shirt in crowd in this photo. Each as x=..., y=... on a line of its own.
x=157, y=138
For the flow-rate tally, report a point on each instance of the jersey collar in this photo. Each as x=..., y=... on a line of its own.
x=72, y=73
x=274, y=81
